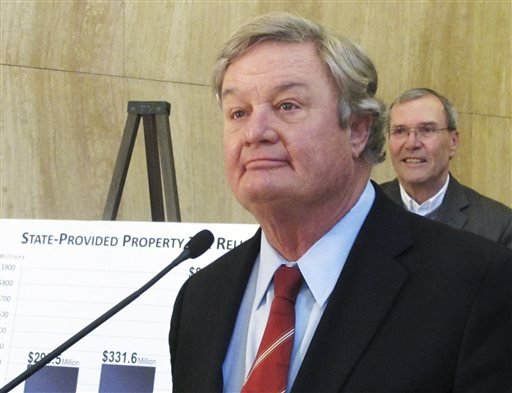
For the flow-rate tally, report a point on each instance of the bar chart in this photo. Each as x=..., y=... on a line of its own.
x=58, y=276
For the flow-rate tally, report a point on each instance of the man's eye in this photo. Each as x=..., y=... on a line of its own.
x=427, y=129
x=287, y=106
x=399, y=130
x=238, y=114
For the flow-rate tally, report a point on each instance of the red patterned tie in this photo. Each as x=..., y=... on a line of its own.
x=269, y=373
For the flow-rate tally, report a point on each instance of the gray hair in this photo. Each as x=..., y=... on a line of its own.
x=414, y=94
x=353, y=71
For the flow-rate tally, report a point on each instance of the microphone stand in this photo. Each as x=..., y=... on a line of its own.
x=188, y=252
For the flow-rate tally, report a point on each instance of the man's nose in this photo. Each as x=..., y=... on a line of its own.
x=261, y=126
x=412, y=140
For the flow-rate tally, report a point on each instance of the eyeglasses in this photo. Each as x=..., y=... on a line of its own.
x=423, y=131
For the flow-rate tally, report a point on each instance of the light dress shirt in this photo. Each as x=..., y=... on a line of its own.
x=320, y=266
x=427, y=207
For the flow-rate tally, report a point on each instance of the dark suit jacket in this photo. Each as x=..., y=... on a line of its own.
x=419, y=307
x=464, y=208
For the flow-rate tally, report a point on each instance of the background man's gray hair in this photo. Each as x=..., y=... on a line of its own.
x=354, y=73
x=413, y=94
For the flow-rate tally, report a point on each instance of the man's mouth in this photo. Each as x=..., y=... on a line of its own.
x=413, y=160
x=264, y=163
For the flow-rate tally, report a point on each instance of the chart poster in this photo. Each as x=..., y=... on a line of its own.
x=57, y=277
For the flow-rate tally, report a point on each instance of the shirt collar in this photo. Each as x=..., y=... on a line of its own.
x=322, y=264
x=429, y=205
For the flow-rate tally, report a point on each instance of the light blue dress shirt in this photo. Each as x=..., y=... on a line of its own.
x=320, y=266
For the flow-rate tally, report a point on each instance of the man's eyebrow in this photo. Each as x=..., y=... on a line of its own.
x=291, y=86
x=276, y=89
x=422, y=123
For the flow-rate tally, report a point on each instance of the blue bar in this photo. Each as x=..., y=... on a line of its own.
x=116, y=378
x=52, y=379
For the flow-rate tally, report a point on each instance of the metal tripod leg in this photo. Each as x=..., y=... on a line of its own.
x=159, y=160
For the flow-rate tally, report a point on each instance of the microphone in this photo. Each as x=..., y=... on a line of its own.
x=195, y=247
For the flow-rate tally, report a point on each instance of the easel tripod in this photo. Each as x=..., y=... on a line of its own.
x=159, y=159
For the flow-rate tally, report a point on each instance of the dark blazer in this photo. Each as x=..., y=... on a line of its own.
x=419, y=307
x=464, y=208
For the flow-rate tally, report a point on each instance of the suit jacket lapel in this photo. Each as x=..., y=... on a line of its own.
x=455, y=200
x=368, y=286
x=393, y=192
x=211, y=335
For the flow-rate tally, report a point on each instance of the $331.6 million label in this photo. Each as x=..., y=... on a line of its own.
x=119, y=357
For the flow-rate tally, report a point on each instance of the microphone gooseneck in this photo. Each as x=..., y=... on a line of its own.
x=195, y=247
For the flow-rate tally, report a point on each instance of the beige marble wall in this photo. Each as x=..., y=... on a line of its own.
x=68, y=69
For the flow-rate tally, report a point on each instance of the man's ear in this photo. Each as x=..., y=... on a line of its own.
x=454, y=142
x=359, y=134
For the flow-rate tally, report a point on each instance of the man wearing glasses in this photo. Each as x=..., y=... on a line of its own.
x=423, y=138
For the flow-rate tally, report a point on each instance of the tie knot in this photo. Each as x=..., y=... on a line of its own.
x=287, y=281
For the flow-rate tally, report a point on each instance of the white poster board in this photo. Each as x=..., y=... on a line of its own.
x=58, y=276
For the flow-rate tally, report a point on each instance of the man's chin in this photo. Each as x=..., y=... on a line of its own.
x=415, y=181
x=267, y=196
